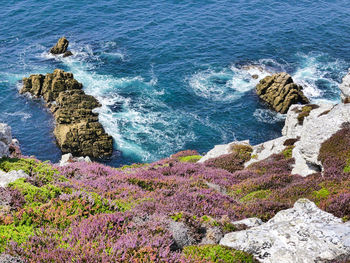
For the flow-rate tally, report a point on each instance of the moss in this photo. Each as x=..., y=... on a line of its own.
x=132, y=166
x=288, y=152
x=18, y=234
x=323, y=193
x=176, y=217
x=217, y=253
x=190, y=159
x=305, y=111
x=260, y=194
x=347, y=167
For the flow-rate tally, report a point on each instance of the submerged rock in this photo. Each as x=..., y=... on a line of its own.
x=303, y=233
x=77, y=128
x=280, y=92
x=345, y=88
x=60, y=47
x=5, y=139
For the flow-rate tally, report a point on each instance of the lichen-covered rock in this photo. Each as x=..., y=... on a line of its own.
x=303, y=233
x=77, y=128
x=68, y=158
x=222, y=149
x=345, y=88
x=248, y=222
x=5, y=139
x=60, y=47
x=6, y=178
x=280, y=92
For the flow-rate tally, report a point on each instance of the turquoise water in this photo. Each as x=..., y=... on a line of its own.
x=170, y=75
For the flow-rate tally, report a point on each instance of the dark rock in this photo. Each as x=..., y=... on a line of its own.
x=67, y=54
x=280, y=92
x=60, y=47
x=255, y=76
x=77, y=128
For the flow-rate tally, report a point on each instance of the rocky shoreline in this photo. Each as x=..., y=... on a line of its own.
x=286, y=200
x=77, y=129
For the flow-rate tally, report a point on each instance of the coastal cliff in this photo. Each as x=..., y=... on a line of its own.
x=285, y=200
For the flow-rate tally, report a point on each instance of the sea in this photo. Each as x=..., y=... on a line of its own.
x=170, y=75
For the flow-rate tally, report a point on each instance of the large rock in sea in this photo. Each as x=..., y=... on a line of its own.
x=77, y=130
x=61, y=48
x=303, y=233
x=345, y=88
x=5, y=139
x=280, y=92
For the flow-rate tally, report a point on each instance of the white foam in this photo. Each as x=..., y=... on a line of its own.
x=23, y=115
x=268, y=116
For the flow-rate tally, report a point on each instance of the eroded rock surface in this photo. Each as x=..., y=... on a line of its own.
x=77, y=130
x=345, y=88
x=222, y=149
x=5, y=139
x=304, y=234
x=280, y=92
x=61, y=48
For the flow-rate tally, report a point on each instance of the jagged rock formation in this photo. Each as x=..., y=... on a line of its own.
x=280, y=92
x=77, y=128
x=303, y=233
x=61, y=48
x=5, y=139
x=345, y=88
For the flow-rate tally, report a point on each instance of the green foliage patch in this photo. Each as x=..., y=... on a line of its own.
x=18, y=234
x=190, y=159
x=218, y=254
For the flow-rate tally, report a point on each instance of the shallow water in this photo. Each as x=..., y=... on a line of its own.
x=170, y=75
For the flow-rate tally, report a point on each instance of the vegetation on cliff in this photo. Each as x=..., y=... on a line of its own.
x=94, y=213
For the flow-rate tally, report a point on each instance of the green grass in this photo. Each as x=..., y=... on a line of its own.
x=18, y=234
x=260, y=194
x=190, y=159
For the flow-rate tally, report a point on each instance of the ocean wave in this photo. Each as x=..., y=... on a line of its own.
x=22, y=115
x=268, y=116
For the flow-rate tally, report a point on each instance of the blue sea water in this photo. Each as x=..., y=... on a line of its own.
x=171, y=75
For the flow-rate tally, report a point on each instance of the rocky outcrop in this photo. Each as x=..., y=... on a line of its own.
x=280, y=92
x=345, y=88
x=5, y=258
x=6, y=178
x=222, y=149
x=5, y=139
x=303, y=233
x=77, y=128
x=61, y=48
x=68, y=159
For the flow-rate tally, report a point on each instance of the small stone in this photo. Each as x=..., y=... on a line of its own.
x=67, y=54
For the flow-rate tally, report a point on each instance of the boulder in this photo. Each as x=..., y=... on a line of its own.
x=345, y=88
x=68, y=158
x=6, y=178
x=222, y=149
x=77, y=130
x=5, y=139
x=304, y=234
x=280, y=92
x=67, y=54
x=60, y=47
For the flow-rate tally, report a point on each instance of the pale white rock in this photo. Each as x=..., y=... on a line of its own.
x=345, y=87
x=249, y=222
x=222, y=149
x=5, y=139
x=6, y=178
x=68, y=158
x=266, y=149
x=318, y=127
x=302, y=234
